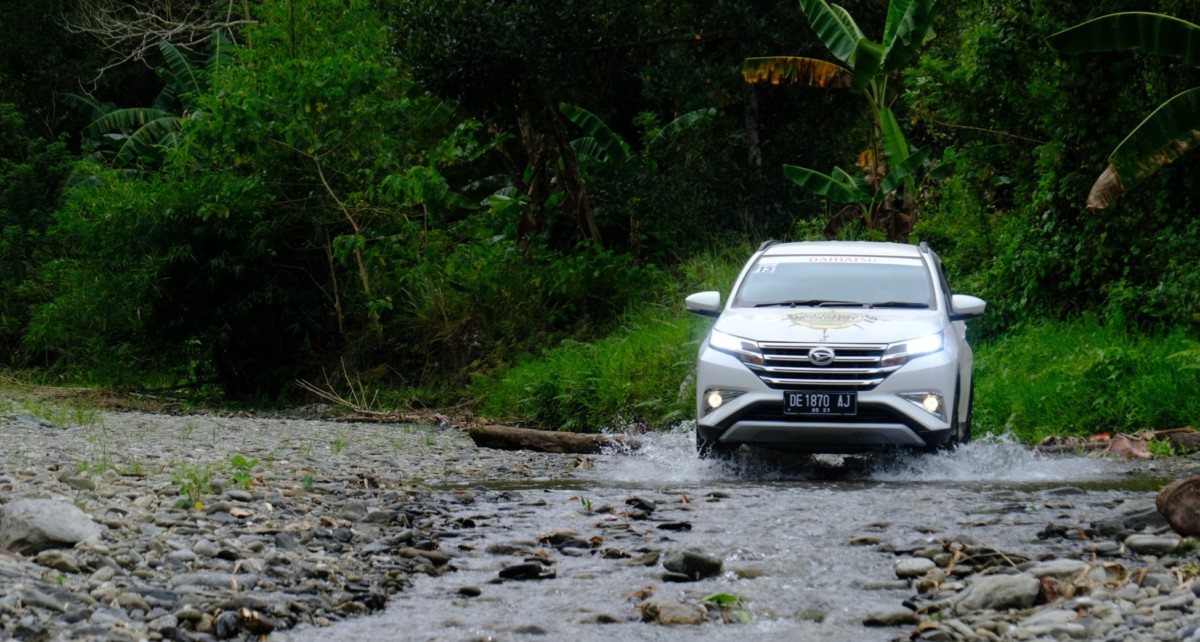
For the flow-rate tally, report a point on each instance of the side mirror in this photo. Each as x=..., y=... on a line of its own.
x=705, y=304
x=965, y=306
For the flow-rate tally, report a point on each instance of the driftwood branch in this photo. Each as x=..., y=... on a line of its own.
x=507, y=438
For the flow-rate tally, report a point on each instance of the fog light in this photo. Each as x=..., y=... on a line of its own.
x=714, y=399
x=931, y=404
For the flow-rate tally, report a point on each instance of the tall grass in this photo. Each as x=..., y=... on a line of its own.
x=1077, y=377
x=1083, y=377
x=639, y=376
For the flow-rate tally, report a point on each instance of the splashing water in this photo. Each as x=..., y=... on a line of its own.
x=669, y=458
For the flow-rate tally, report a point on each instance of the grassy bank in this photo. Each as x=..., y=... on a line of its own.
x=1083, y=377
x=1077, y=377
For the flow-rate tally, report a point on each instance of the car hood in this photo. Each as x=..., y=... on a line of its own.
x=829, y=325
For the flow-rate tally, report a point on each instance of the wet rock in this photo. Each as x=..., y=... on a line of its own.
x=892, y=617
x=693, y=564
x=28, y=526
x=811, y=615
x=58, y=560
x=1152, y=544
x=642, y=504
x=669, y=612
x=1060, y=568
x=913, y=567
x=526, y=571
x=998, y=592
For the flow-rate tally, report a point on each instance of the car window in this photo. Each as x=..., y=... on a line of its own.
x=852, y=279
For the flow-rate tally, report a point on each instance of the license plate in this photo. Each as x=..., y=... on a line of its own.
x=820, y=403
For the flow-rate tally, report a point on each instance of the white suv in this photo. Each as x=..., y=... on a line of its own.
x=835, y=347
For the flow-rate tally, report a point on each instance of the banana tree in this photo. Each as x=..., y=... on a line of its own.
x=1170, y=130
x=604, y=145
x=864, y=68
x=135, y=137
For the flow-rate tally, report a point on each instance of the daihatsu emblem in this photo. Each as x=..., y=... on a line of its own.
x=820, y=356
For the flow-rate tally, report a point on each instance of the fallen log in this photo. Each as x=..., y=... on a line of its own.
x=548, y=441
x=1179, y=503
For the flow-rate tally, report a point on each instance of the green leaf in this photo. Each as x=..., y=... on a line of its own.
x=614, y=146
x=867, y=65
x=1151, y=32
x=834, y=27
x=683, y=122
x=587, y=149
x=945, y=167
x=826, y=185
x=182, y=72
x=910, y=166
x=894, y=143
x=125, y=120
x=907, y=28
x=1168, y=133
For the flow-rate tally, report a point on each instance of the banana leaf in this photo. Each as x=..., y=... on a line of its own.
x=685, y=121
x=1165, y=135
x=834, y=27
x=796, y=70
x=894, y=143
x=907, y=28
x=903, y=171
x=1151, y=32
x=868, y=61
x=613, y=145
x=836, y=189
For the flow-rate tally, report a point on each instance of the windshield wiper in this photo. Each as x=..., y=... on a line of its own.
x=898, y=304
x=811, y=303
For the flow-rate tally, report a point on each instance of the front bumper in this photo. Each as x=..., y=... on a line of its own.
x=884, y=419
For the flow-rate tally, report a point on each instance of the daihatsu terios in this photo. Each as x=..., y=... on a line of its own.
x=835, y=347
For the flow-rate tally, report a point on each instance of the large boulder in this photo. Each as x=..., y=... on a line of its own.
x=29, y=526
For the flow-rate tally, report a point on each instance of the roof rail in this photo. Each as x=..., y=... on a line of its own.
x=924, y=247
x=766, y=244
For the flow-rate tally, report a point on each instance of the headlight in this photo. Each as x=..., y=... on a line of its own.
x=746, y=351
x=899, y=354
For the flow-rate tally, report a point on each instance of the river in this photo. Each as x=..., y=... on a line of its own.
x=808, y=548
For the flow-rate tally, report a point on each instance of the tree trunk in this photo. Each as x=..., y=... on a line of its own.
x=506, y=438
x=753, y=147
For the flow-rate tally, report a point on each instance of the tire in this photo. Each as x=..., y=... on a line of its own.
x=958, y=434
x=965, y=430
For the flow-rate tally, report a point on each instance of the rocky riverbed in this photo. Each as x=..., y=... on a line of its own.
x=136, y=526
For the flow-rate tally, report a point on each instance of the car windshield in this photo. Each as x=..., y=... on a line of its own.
x=833, y=281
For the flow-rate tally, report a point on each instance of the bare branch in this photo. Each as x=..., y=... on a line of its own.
x=131, y=31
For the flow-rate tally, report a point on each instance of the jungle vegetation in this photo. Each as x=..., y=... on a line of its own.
x=498, y=207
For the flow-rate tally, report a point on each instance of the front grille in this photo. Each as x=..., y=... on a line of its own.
x=786, y=366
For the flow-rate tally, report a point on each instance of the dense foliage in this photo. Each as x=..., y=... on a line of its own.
x=404, y=193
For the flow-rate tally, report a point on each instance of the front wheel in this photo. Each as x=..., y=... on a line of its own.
x=966, y=424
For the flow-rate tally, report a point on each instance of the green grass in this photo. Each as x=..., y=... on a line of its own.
x=1083, y=377
x=637, y=376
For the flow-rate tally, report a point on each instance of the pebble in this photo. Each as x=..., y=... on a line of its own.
x=310, y=537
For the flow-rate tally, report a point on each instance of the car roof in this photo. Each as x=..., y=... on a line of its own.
x=843, y=248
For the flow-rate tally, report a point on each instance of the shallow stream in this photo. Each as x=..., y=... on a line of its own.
x=807, y=548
